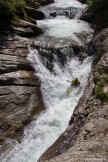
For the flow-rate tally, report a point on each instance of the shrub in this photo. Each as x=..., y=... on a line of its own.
x=11, y=7
x=99, y=10
x=99, y=90
x=33, y=3
x=10, y=11
x=102, y=70
x=98, y=6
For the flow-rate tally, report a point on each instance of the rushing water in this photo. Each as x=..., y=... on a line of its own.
x=45, y=129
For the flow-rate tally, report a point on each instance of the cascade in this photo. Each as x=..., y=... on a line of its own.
x=57, y=56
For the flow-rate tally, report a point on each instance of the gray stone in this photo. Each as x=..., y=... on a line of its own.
x=20, y=95
x=35, y=14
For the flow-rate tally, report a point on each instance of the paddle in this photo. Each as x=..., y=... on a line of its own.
x=68, y=81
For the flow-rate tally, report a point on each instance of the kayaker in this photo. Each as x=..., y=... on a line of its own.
x=75, y=82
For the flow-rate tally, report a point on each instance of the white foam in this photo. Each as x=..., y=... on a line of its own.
x=64, y=28
x=41, y=133
x=66, y=4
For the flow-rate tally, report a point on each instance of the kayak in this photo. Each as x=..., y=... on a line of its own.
x=69, y=90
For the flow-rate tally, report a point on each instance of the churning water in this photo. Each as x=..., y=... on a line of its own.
x=41, y=133
x=45, y=129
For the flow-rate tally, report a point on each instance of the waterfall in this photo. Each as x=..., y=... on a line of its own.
x=60, y=32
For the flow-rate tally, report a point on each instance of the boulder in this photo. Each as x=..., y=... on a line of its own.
x=46, y=2
x=26, y=24
x=31, y=20
x=51, y=53
x=53, y=14
x=100, y=43
x=83, y=1
x=35, y=14
x=27, y=30
x=86, y=16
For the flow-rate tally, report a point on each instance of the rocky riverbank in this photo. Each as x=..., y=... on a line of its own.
x=20, y=95
x=24, y=24
x=86, y=138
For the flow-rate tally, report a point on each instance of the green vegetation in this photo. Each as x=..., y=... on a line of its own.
x=33, y=3
x=11, y=10
x=102, y=70
x=99, y=11
x=101, y=82
x=11, y=7
x=99, y=90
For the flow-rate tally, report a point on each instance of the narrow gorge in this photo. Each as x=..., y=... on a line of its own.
x=39, y=121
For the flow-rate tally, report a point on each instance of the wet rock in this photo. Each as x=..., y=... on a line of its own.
x=31, y=20
x=46, y=2
x=53, y=14
x=86, y=16
x=51, y=53
x=28, y=30
x=21, y=77
x=73, y=12
x=26, y=24
x=20, y=95
x=83, y=1
x=100, y=43
x=87, y=134
x=35, y=14
x=68, y=13
x=13, y=63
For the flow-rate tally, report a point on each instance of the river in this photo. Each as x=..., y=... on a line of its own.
x=62, y=28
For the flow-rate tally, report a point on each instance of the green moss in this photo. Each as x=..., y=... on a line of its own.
x=99, y=11
x=99, y=89
x=15, y=21
x=12, y=10
x=102, y=70
x=11, y=7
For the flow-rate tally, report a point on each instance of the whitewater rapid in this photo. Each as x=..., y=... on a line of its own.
x=41, y=133
x=47, y=127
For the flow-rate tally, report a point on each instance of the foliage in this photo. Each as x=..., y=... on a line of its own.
x=99, y=89
x=101, y=83
x=99, y=11
x=33, y=3
x=102, y=70
x=10, y=11
x=11, y=7
x=98, y=6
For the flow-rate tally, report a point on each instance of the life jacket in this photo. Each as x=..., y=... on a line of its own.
x=75, y=83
